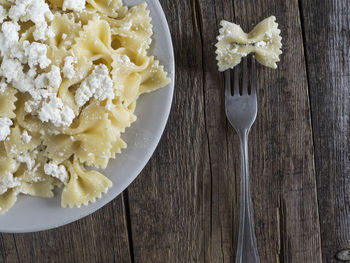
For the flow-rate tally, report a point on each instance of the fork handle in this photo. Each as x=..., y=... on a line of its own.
x=247, y=251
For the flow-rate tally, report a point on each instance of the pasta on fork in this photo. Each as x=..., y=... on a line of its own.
x=233, y=44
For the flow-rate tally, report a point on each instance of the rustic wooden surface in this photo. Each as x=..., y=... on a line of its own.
x=184, y=205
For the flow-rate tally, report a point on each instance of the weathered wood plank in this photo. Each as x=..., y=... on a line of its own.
x=170, y=200
x=8, y=249
x=326, y=25
x=101, y=237
x=224, y=164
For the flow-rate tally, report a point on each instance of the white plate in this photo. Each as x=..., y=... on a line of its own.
x=34, y=214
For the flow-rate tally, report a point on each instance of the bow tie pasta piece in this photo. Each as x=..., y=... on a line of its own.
x=136, y=74
x=94, y=41
x=136, y=25
x=125, y=64
x=80, y=69
x=25, y=119
x=97, y=122
x=153, y=77
x=84, y=186
x=65, y=30
x=36, y=182
x=60, y=147
x=16, y=145
x=39, y=189
x=233, y=44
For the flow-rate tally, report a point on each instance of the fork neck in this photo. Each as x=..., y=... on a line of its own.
x=243, y=134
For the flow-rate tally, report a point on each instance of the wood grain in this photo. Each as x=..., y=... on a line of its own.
x=184, y=205
x=169, y=201
x=101, y=237
x=281, y=150
x=327, y=38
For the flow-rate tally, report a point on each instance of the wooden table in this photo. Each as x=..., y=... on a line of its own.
x=184, y=205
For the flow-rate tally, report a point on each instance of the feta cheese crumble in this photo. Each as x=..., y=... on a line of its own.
x=75, y=5
x=5, y=124
x=36, y=53
x=27, y=159
x=11, y=69
x=8, y=181
x=56, y=112
x=68, y=68
x=10, y=31
x=98, y=85
x=43, y=32
x=36, y=11
x=57, y=171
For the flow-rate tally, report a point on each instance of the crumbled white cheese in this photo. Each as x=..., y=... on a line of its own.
x=3, y=14
x=56, y=112
x=9, y=45
x=10, y=31
x=27, y=159
x=30, y=10
x=5, y=130
x=26, y=138
x=54, y=77
x=8, y=181
x=42, y=32
x=68, y=68
x=57, y=171
x=75, y=5
x=36, y=53
x=64, y=36
x=31, y=106
x=11, y=69
x=98, y=85
x=36, y=11
x=16, y=51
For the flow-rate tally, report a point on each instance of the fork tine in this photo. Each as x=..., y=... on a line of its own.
x=245, y=77
x=227, y=77
x=253, y=76
x=236, y=81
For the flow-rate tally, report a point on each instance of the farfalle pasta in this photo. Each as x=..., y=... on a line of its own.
x=70, y=76
x=233, y=44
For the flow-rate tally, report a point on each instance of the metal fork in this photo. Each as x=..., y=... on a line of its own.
x=241, y=111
